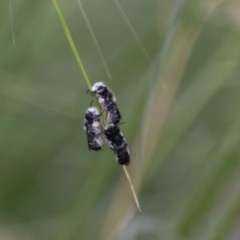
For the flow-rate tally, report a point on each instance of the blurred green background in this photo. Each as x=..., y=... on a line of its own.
x=179, y=97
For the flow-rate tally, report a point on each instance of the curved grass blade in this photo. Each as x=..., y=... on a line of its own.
x=203, y=80
x=224, y=165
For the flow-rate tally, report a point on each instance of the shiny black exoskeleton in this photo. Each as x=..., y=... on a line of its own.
x=117, y=144
x=108, y=102
x=92, y=126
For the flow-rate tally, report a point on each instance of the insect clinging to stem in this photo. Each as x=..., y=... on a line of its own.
x=117, y=143
x=92, y=126
x=88, y=83
x=107, y=101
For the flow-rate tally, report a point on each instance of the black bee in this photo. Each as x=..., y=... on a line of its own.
x=101, y=90
x=117, y=144
x=92, y=126
x=107, y=101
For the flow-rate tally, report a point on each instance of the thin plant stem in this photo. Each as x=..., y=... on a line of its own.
x=71, y=43
x=132, y=188
x=94, y=39
x=11, y=22
x=85, y=76
x=134, y=33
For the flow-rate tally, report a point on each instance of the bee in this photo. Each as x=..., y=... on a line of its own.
x=108, y=102
x=117, y=143
x=99, y=89
x=92, y=126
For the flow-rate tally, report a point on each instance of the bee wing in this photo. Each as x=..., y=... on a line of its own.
x=99, y=141
x=87, y=131
x=118, y=113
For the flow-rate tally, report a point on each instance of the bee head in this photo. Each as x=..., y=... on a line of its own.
x=92, y=113
x=99, y=88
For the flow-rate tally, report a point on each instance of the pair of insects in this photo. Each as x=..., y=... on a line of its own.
x=93, y=126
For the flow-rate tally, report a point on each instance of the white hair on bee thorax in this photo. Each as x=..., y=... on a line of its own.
x=97, y=85
x=93, y=110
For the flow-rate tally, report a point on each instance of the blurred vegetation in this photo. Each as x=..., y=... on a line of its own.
x=179, y=97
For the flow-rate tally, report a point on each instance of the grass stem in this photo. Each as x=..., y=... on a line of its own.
x=85, y=76
x=71, y=43
x=132, y=188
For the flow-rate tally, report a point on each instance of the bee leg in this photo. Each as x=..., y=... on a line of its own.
x=91, y=103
